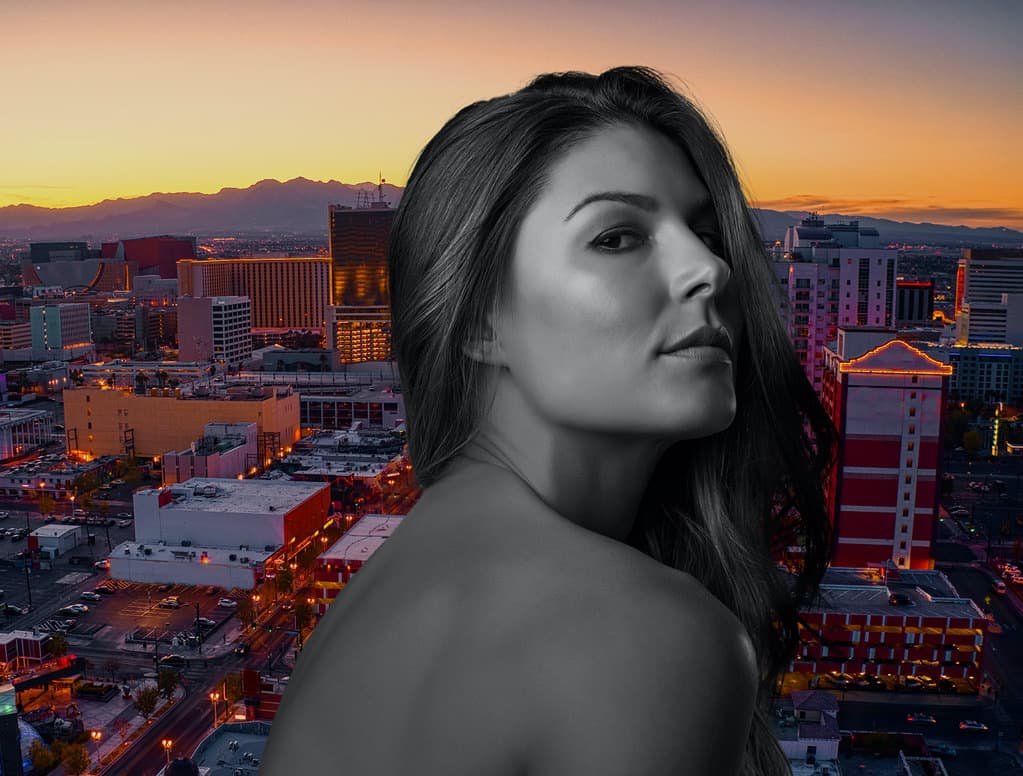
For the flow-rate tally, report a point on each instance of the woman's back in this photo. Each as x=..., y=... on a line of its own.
x=479, y=639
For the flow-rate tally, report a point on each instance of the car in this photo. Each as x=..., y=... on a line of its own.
x=918, y=683
x=947, y=685
x=871, y=681
x=973, y=725
x=125, y=515
x=105, y=590
x=171, y=602
x=998, y=586
x=287, y=605
x=242, y=649
x=212, y=590
x=12, y=610
x=227, y=603
x=165, y=587
x=173, y=661
x=72, y=610
x=117, y=482
x=900, y=599
x=920, y=719
x=4, y=515
x=102, y=565
x=205, y=622
x=943, y=750
x=89, y=595
x=839, y=679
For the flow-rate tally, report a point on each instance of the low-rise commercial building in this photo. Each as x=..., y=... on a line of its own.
x=225, y=532
x=336, y=565
x=22, y=431
x=56, y=539
x=224, y=450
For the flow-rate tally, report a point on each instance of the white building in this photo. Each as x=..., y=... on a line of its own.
x=58, y=539
x=832, y=275
x=23, y=430
x=989, y=296
x=208, y=531
x=217, y=328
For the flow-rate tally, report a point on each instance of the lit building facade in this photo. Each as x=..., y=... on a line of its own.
x=61, y=331
x=336, y=565
x=832, y=275
x=285, y=293
x=22, y=431
x=989, y=296
x=104, y=421
x=982, y=372
x=854, y=629
x=215, y=328
x=914, y=302
x=886, y=399
x=358, y=321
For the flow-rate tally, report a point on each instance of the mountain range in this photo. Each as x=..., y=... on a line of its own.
x=299, y=206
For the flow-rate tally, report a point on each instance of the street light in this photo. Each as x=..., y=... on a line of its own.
x=214, y=696
x=167, y=744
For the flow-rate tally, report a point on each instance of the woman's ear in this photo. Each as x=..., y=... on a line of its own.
x=485, y=347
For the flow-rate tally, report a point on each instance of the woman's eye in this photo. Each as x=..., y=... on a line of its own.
x=618, y=240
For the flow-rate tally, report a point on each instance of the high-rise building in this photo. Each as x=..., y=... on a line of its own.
x=886, y=399
x=215, y=328
x=832, y=275
x=989, y=296
x=914, y=302
x=359, y=322
x=286, y=293
x=61, y=331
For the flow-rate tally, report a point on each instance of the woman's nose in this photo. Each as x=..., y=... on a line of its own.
x=697, y=271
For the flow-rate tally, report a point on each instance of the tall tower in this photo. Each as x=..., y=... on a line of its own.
x=886, y=399
x=359, y=319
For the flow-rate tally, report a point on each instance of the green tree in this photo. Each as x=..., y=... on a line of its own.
x=303, y=614
x=233, y=688
x=75, y=759
x=42, y=758
x=167, y=680
x=972, y=441
x=284, y=581
x=58, y=644
x=145, y=701
x=45, y=503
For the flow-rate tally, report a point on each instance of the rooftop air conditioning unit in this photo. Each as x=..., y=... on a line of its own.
x=148, y=551
x=232, y=556
x=244, y=560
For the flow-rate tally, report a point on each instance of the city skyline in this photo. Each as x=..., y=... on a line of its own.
x=904, y=110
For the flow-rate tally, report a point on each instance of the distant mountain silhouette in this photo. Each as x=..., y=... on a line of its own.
x=299, y=206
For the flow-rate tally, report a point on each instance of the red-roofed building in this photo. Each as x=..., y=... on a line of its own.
x=886, y=398
x=160, y=253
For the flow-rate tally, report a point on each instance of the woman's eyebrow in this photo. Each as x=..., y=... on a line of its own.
x=703, y=207
x=641, y=201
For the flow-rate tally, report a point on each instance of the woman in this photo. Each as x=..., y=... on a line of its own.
x=614, y=439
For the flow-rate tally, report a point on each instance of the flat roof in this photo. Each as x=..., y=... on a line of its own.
x=54, y=531
x=214, y=494
x=363, y=539
x=341, y=464
x=20, y=416
x=176, y=553
x=216, y=754
x=866, y=591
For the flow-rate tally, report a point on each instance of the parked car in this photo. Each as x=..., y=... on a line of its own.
x=899, y=599
x=170, y=602
x=117, y=482
x=89, y=595
x=943, y=750
x=106, y=590
x=102, y=565
x=165, y=587
x=918, y=683
x=212, y=590
x=125, y=515
x=72, y=610
x=173, y=661
x=205, y=622
x=973, y=725
x=13, y=611
x=920, y=719
x=4, y=515
x=227, y=603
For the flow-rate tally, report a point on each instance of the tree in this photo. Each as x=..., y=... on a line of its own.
x=111, y=666
x=58, y=644
x=75, y=759
x=303, y=614
x=167, y=680
x=121, y=728
x=284, y=581
x=233, y=688
x=42, y=758
x=972, y=441
x=45, y=503
x=145, y=701
x=246, y=610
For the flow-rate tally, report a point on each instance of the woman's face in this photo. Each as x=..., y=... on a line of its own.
x=614, y=264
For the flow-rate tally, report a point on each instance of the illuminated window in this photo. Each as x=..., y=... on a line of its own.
x=909, y=445
x=912, y=412
x=909, y=479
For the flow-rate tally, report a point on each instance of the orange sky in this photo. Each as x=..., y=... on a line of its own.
x=909, y=109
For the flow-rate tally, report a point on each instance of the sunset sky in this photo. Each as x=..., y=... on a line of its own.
x=910, y=109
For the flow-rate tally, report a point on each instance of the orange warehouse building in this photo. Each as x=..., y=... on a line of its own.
x=114, y=421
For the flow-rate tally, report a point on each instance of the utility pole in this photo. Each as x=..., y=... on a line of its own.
x=198, y=631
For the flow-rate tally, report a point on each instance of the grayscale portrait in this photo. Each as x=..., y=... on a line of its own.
x=616, y=444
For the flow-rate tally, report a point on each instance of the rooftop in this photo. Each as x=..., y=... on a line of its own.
x=211, y=494
x=54, y=531
x=363, y=539
x=866, y=591
x=176, y=553
x=233, y=747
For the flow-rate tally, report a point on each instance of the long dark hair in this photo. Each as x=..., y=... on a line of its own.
x=725, y=508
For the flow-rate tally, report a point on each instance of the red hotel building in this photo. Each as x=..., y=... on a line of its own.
x=886, y=398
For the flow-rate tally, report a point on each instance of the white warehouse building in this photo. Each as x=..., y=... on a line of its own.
x=210, y=531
